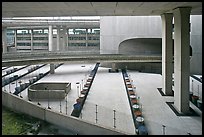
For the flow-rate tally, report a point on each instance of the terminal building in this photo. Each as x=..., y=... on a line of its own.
x=137, y=70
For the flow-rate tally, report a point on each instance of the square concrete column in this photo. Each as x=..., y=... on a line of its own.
x=113, y=68
x=86, y=37
x=15, y=39
x=64, y=38
x=58, y=38
x=52, y=68
x=31, y=39
x=181, y=58
x=67, y=38
x=167, y=54
x=50, y=48
x=4, y=40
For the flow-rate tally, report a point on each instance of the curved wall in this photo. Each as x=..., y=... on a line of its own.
x=141, y=46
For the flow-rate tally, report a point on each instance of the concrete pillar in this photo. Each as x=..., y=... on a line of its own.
x=113, y=67
x=67, y=39
x=15, y=39
x=4, y=40
x=86, y=37
x=67, y=44
x=31, y=39
x=58, y=38
x=64, y=38
x=52, y=68
x=181, y=58
x=50, y=48
x=167, y=55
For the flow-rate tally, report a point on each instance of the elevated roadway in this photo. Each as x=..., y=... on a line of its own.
x=11, y=59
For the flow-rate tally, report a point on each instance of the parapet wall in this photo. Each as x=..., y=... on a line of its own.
x=77, y=125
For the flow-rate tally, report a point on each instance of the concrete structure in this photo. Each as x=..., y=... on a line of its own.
x=110, y=39
x=116, y=36
x=181, y=58
x=167, y=53
x=155, y=110
x=48, y=91
x=40, y=38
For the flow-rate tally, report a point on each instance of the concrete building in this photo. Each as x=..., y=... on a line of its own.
x=165, y=29
x=36, y=38
x=117, y=37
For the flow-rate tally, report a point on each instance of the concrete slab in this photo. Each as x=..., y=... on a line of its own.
x=108, y=92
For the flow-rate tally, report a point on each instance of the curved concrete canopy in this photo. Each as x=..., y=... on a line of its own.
x=52, y=9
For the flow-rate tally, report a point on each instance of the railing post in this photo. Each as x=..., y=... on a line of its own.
x=66, y=106
x=96, y=114
x=60, y=107
x=114, y=119
x=163, y=129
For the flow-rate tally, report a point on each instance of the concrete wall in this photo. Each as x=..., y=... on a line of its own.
x=77, y=125
x=141, y=46
x=48, y=91
x=20, y=105
x=114, y=30
x=68, y=122
x=196, y=43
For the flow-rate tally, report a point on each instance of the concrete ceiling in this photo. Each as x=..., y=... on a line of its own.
x=69, y=24
x=54, y=9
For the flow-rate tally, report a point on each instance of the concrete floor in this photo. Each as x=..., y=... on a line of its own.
x=108, y=93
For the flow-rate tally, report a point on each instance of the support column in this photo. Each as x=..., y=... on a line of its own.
x=15, y=39
x=86, y=37
x=52, y=68
x=31, y=39
x=113, y=67
x=58, y=38
x=50, y=48
x=67, y=44
x=4, y=40
x=181, y=58
x=167, y=54
x=64, y=38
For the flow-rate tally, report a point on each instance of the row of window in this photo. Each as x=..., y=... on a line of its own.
x=46, y=44
x=34, y=44
x=83, y=44
x=83, y=38
x=34, y=38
